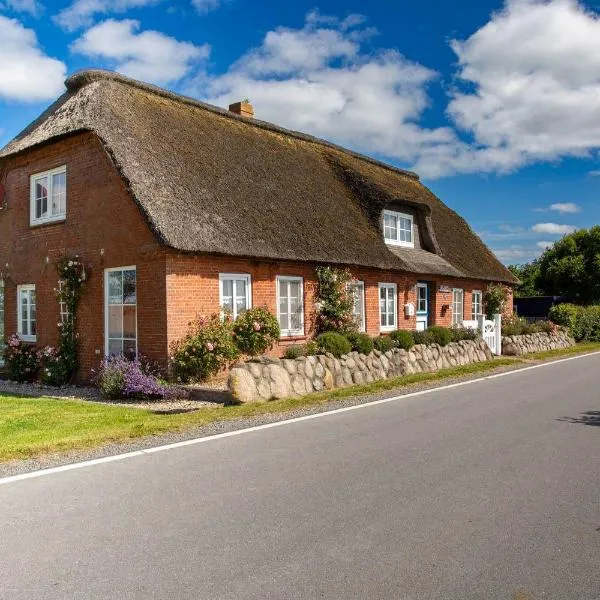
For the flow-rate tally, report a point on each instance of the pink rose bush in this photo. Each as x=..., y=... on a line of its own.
x=207, y=349
x=21, y=360
x=255, y=331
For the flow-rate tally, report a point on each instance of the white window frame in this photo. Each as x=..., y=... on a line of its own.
x=291, y=278
x=455, y=314
x=394, y=326
x=106, y=305
x=32, y=200
x=26, y=336
x=422, y=286
x=397, y=241
x=235, y=276
x=353, y=287
x=475, y=315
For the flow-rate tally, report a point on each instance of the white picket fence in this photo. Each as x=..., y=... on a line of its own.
x=491, y=331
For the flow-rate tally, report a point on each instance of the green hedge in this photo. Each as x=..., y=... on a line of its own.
x=583, y=322
x=360, y=342
x=333, y=342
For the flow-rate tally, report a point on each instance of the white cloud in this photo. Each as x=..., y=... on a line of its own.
x=517, y=254
x=204, y=6
x=26, y=73
x=565, y=207
x=533, y=89
x=148, y=55
x=595, y=173
x=33, y=7
x=553, y=228
x=81, y=12
x=543, y=245
x=318, y=79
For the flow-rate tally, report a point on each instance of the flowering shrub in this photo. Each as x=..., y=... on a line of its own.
x=68, y=293
x=21, y=360
x=121, y=378
x=54, y=369
x=255, y=331
x=205, y=350
x=494, y=299
x=334, y=301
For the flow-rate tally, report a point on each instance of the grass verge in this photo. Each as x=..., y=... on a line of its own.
x=32, y=427
x=582, y=348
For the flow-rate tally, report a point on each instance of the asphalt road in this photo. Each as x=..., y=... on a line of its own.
x=490, y=490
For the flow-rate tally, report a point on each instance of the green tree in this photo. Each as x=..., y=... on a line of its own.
x=528, y=274
x=571, y=267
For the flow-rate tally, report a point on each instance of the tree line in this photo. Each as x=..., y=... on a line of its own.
x=570, y=267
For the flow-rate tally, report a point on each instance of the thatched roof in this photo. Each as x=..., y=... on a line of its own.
x=210, y=181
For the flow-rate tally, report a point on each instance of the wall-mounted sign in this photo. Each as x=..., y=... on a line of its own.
x=445, y=289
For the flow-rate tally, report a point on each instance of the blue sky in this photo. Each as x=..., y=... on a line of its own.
x=495, y=104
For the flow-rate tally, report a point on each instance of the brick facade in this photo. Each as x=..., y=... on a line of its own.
x=193, y=289
x=106, y=229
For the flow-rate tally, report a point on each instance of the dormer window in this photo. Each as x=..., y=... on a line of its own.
x=398, y=228
x=48, y=196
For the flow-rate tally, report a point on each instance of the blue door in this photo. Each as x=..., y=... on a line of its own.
x=422, y=306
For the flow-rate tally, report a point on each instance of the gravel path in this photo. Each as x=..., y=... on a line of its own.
x=53, y=460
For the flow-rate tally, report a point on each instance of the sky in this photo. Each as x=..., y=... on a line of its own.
x=495, y=103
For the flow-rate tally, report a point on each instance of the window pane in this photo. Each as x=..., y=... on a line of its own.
x=115, y=287
x=129, y=287
x=58, y=193
x=41, y=197
x=115, y=321
x=294, y=290
x=390, y=227
x=129, y=348
x=115, y=347
x=284, y=321
x=240, y=296
x=227, y=300
x=129, y=321
x=295, y=320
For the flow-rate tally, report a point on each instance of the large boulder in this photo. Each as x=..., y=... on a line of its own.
x=243, y=387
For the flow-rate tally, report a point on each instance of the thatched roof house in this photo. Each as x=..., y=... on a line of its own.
x=208, y=180
x=178, y=208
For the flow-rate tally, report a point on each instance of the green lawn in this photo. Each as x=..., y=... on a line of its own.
x=33, y=426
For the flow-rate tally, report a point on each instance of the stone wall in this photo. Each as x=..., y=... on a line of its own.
x=266, y=378
x=515, y=345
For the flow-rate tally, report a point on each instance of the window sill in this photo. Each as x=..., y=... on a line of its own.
x=293, y=337
x=387, y=329
x=32, y=339
x=53, y=221
x=402, y=244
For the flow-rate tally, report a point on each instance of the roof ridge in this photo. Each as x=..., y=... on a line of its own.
x=80, y=79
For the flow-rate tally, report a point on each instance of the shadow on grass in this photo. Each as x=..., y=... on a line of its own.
x=591, y=417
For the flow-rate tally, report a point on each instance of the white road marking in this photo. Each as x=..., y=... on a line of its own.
x=219, y=436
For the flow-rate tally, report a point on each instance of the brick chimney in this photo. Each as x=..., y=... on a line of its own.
x=243, y=108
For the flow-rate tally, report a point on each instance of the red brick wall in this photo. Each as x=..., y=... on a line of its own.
x=103, y=226
x=193, y=290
